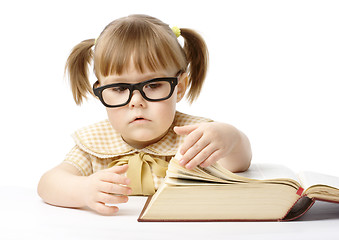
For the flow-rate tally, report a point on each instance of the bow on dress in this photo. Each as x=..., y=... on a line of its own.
x=140, y=167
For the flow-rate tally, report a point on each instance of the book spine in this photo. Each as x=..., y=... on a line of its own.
x=144, y=208
x=299, y=208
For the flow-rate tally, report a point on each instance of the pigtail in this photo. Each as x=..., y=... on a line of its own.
x=77, y=67
x=197, y=56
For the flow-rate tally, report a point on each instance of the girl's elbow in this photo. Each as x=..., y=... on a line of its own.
x=41, y=186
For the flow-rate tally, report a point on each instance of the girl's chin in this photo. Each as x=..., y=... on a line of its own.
x=141, y=139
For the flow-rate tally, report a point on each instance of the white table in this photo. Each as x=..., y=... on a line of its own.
x=25, y=216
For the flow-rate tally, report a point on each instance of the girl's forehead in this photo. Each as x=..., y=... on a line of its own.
x=133, y=74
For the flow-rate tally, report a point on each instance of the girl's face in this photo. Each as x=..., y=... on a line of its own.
x=141, y=122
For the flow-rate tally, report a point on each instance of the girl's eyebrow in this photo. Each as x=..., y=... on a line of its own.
x=110, y=80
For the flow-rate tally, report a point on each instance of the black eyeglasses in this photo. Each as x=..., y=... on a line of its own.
x=120, y=94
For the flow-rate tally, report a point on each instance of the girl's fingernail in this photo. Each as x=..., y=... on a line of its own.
x=189, y=166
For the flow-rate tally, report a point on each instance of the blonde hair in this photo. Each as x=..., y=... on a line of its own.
x=146, y=41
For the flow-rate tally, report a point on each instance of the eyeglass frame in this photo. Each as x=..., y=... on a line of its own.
x=137, y=86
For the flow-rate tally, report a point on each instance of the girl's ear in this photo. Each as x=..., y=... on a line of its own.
x=182, y=86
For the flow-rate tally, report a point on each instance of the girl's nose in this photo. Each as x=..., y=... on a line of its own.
x=137, y=100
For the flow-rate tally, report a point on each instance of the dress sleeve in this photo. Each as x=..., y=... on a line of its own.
x=81, y=160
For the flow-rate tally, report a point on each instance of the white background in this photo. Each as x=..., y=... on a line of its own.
x=273, y=74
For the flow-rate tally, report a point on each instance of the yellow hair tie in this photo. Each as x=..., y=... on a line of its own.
x=95, y=41
x=176, y=31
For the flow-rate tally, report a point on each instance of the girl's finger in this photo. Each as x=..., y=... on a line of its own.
x=104, y=209
x=190, y=141
x=213, y=158
x=118, y=169
x=111, y=198
x=185, y=130
x=194, y=151
x=110, y=177
x=202, y=156
x=114, y=188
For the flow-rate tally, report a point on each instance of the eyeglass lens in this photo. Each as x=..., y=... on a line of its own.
x=120, y=94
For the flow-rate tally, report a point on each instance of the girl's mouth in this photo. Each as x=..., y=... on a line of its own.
x=140, y=120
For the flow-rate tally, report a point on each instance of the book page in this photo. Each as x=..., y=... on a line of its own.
x=309, y=179
x=262, y=171
x=214, y=173
x=175, y=170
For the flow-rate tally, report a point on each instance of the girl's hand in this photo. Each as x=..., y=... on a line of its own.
x=206, y=143
x=107, y=187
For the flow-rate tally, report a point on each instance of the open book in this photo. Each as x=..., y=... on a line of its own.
x=264, y=192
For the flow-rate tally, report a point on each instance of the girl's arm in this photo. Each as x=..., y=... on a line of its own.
x=64, y=186
x=207, y=143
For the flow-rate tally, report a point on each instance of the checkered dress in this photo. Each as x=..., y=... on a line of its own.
x=99, y=144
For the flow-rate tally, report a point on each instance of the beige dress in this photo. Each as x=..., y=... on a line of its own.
x=99, y=146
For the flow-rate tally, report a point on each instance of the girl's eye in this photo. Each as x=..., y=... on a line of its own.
x=153, y=86
x=119, y=89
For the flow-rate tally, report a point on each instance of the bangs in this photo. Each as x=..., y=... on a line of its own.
x=149, y=46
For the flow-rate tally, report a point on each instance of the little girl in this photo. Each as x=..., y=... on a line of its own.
x=142, y=73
